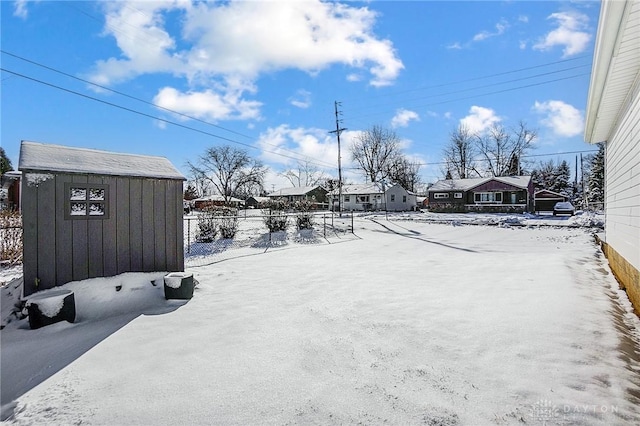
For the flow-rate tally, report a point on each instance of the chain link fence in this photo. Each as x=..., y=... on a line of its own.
x=10, y=238
x=253, y=236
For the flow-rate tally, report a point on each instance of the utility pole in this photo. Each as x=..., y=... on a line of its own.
x=337, y=131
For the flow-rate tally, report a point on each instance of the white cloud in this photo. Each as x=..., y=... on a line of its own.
x=562, y=118
x=523, y=18
x=284, y=145
x=570, y=34
x=480, y=119
x=403, y=117
x=220, y=48
x=208, y=105
x=454, y=46
x=501, y=27
x=302, y=99
x=20, y=9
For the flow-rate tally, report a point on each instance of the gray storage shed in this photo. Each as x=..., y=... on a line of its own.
x=89, y=213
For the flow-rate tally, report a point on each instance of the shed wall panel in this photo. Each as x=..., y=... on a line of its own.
x=142, y=232
x=29, y=235
x=135, y=224
x=80, y=242
x=46, y=233
x=170, y=229
x=64, y=233
x=109, y=239
x=148, y=234
x=122, y=218
x=95, y=254
x=179, y=226
x=160, y=224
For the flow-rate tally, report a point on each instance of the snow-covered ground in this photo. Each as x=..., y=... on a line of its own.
x=412, y=322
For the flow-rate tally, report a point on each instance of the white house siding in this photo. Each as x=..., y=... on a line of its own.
x=399, y=203
x=622, y=180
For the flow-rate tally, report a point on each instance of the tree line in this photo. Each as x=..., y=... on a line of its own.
x=232, y=172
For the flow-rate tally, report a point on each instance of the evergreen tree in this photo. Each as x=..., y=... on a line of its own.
x=560, y=179
x=595, y=182
x=5, y=162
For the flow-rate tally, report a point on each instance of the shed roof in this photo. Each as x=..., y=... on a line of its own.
x=467, y=184
x=56, y=158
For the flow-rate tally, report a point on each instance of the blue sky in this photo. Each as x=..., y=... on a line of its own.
x=264, y=76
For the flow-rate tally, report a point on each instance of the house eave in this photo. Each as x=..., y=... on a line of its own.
x=611, y=66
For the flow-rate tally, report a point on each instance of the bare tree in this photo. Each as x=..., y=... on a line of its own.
x=460, y=154
x=305, y=174
x=375, y=150
x=231, y=171
x=502, y=150
x=405, y=173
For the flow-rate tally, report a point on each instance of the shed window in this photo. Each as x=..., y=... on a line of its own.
x=441, y=195
x=86, y=201
x=393, y=197
x=363, y=198
x=347, y=198
x=404, y=198
x=457, y=195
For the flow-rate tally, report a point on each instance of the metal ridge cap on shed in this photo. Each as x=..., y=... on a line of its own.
x=41, y=157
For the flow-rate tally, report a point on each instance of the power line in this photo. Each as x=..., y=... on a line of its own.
x=121, y=93
x=480, y=95
x=155, y=105
x=479, y=87
x=148, y=115
x=474, y=78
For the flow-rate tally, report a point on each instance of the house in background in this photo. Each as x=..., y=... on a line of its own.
x=216, y=201
x=507, y=194
x=315, y=194
x=544, y=200
x=257, y=202
x=613, y=117
x=372, y=196
x=89, y=213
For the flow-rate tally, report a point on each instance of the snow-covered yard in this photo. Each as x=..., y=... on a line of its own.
x=412, y=322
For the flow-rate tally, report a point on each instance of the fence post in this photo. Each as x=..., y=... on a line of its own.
x=188, y=235
x=352, y=231
x=324, y=225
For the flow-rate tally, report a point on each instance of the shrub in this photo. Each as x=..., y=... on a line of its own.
x=276, y=220
x=304, y=217
x=275, y=216
x=227, y=222
x=207, y=229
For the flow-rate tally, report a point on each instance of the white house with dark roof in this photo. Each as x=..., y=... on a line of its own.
x=494, y=194
x=89, y=213
x=613, y=118
x=372, y=196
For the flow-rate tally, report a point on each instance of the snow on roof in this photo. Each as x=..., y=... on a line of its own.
x=456, y=184
x=36, y=156
x=296, y=190
x=216, y=197
x=361, y=188
x=467, y=184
